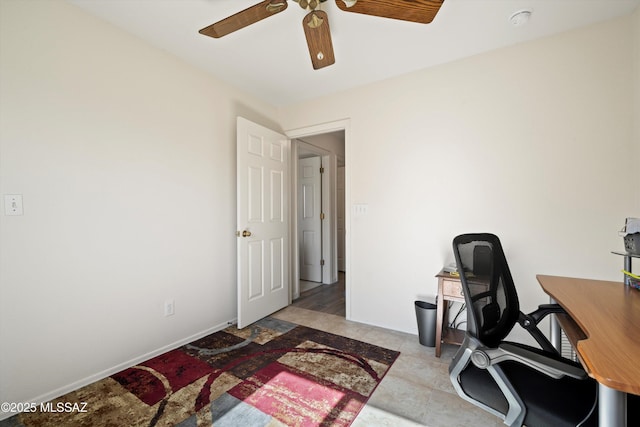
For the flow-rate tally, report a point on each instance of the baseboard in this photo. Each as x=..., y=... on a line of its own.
x=46, y=397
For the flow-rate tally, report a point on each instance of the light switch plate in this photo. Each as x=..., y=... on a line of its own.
x=360, y=209
x=13, y=204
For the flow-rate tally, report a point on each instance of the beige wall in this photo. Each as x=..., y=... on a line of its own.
x=125, y=158
x=530, y=142
x=635, y=181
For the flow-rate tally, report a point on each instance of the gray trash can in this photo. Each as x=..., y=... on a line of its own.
x=426, y=317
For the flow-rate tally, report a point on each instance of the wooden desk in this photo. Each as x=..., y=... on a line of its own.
x=604, y=328
x=449, y=289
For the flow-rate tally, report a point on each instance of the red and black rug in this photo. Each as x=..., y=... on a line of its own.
x=273, y=373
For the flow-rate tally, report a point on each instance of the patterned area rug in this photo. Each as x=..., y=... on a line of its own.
x=273, y=373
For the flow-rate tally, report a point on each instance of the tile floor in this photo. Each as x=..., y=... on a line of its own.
x=416, y=391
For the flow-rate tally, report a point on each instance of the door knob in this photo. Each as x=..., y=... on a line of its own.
x=246, y=233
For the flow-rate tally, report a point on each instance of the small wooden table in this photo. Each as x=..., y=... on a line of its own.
x=449, y=289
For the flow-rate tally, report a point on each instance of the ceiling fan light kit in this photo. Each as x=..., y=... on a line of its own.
x=316, y=22
x=306, y=4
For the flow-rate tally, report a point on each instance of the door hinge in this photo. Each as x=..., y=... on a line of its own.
x=321, y=215
x=321, y=169
x=321, y=262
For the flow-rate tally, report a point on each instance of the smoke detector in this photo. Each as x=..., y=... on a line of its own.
x=520, y=18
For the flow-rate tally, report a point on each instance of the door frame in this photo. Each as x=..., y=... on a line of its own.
x=328, y=206
x=318, y=129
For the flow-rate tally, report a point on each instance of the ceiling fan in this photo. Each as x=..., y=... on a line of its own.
x=316, y=22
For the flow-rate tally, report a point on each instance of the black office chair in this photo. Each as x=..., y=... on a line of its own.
x=521, y=384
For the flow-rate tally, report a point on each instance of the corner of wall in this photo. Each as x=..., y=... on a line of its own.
x=636, y=99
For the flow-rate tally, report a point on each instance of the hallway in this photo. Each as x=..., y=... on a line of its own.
x=325, y=298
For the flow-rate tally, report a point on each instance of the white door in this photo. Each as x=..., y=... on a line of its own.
x=263, y=221
x=309, y=220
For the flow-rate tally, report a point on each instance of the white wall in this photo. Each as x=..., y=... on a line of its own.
x=527, y=142
x=636, y=72
x=333, y=142
x=125, y=158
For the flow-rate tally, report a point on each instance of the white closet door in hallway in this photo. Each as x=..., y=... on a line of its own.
x=309, y=219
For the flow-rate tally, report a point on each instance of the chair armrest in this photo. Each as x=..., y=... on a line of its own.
x=543, y=311
x=530, y=323
x=485, y=357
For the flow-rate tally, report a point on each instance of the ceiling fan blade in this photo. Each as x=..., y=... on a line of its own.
x=421, y=11
x=316, y=29
x=249, y=16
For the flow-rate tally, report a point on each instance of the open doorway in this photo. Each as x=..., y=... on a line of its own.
x=313, y=234
x=320, y=246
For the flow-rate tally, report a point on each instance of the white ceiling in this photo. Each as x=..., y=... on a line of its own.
x=270, y=59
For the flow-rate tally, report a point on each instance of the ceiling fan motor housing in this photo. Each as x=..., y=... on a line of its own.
x=310, y=4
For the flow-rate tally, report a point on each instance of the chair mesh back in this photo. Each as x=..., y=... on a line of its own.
x=490, y=294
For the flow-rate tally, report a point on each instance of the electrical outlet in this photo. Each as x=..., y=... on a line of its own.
x=169, y=308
